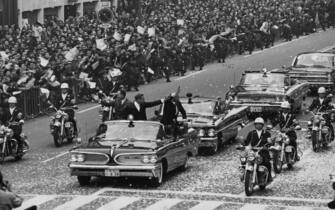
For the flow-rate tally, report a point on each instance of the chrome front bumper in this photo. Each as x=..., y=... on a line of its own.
x=120, y=171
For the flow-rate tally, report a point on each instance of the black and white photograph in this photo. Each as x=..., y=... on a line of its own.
x=167, y=104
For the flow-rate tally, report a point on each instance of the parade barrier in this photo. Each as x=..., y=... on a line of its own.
x=31, y=102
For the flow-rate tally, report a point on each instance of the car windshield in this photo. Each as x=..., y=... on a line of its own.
x=203, y=108
x=270, y=80
x=316, y=60
x=140, y=131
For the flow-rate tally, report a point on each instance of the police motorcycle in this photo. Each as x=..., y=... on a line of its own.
x=282, y=152
x=60, y=127
x=252, y=172
x=107, y=109
x=320, y=133
x=331, y=204
x=9, y=145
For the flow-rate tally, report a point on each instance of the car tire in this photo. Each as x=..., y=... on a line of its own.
x=84, y=180
x=157, y=181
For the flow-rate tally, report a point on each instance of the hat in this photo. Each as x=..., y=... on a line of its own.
x=138, y=96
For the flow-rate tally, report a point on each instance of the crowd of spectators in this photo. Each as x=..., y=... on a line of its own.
x=158, y=38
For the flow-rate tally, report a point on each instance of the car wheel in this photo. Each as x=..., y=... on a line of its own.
x=157, y=181
x=214, y=149
x=84, y=180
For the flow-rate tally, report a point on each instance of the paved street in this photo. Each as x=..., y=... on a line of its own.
x=211, y=182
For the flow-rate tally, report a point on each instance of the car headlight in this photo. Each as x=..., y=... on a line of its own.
x=149, y=159
x=211, y=132
x=201, y=133
x=77, y=158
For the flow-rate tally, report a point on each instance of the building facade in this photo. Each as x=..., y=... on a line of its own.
x=8, y=12
x=33, y=11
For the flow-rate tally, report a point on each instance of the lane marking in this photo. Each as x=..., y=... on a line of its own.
x=57, y=156
x=164, y=204
x=275, y=46
x=208, y=205
x=119, y=203
x=313, y=200
x=36, y=201
x=190, y=75
x=242, y=202
x=77, y=202
x=254, y=207
x=88, y=109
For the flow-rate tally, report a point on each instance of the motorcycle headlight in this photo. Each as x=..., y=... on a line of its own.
x=251, y=158
x=10, y=132
x=146, y=159
x=309, y=123
x=211, y=132
x=243, y=159
x=201, y=133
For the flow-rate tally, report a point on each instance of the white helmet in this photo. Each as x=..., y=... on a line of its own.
x=322, y=90
x=285, y=105
x=64, y=86
x=12, y=100
x=259, y=120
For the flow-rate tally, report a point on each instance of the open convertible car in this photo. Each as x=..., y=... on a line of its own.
x=317, y=68
x=133, y=149
x=214, y=123
x=264, y=91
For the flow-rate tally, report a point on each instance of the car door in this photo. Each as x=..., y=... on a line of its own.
x=298, y=93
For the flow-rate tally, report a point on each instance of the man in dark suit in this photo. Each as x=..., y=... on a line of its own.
x=170, y=111
x=287, y=122
x=259, y=138
x=323, y=104
x=138, y=107
x=121, y=103
x=66, y=99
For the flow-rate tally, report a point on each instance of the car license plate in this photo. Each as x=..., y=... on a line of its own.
x=256, y=109
x=288, y=149
x=67, y=125
x=112, y=173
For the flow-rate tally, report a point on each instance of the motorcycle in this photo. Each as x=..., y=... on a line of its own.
x=9, y=145
x=282, y=152
x=252, y=172
x=60, y=127
x=107, y=108
x=320, y=132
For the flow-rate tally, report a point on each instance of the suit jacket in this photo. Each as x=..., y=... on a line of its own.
x=171, y=111
x=121, y=108
x=141, y=114
x=325, y=104
x=14, y=117
x=253, y=139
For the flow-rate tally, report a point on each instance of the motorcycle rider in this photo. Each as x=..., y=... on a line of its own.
x=259, y=138
x=14, y=115
x=66, y=99
x=287, y=122
x=323, y=103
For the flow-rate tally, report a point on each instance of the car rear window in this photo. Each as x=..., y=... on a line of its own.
x=316, y=60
